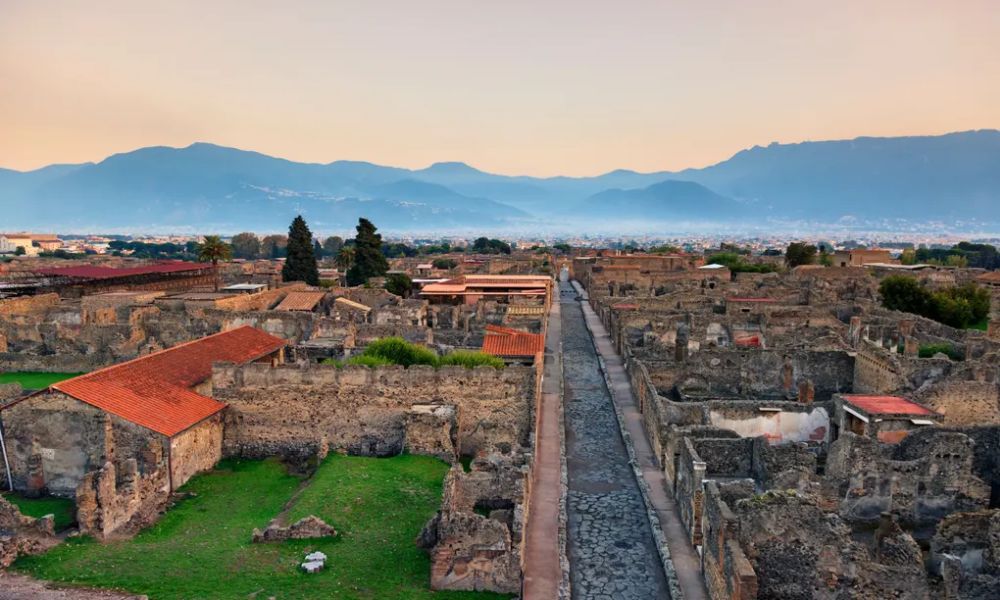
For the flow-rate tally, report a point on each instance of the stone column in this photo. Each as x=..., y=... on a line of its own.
x=910, y=346
x=681, y=344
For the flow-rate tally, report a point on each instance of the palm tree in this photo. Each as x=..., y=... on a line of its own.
x=345, y=258
x=213, y=249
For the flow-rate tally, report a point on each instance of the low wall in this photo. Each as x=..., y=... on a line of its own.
x=293, y=408
x=727, y=571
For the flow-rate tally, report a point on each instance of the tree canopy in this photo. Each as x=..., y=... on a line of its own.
x=301, y=262
x=958, y=306
x=246, y=245
x=399, y=284
x=486, y=245
x=800, y=253
x=368, y=258
x=273, y=246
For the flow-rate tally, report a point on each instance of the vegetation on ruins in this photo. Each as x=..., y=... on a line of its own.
x=166, y=250
x=246, y=245
x=399, y=284
x=929, y=350
x=300, y=264
x=368, y=258
x=800, y=253
x=445, y=263
x=962, y=254
x=471, y=359
x=200, y=548
x=961, y=306
x=397, y=351
x=345, y=258
x=737, y=264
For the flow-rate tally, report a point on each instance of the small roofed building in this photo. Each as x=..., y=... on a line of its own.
x=155, y=410
x=860, y=257
x=469, y=289
x=513, y=345
x=89, y=279
x=301, y=301
x=887, y=419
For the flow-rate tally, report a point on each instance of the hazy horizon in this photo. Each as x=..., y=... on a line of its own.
x=567, y=88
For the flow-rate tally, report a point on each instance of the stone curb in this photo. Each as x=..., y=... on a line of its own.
x=565, y=587
x=654, y=521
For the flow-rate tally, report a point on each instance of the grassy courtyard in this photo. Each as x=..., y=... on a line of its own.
x=201, y=548
x=31, y=380
x=63, y=509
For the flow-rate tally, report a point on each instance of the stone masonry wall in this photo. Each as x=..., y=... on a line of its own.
x=289, y=408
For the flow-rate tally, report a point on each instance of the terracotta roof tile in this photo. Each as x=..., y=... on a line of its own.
x=300, y=301
x=887, y=405
x=154, y=390
x=505, y=341
x=93, y=272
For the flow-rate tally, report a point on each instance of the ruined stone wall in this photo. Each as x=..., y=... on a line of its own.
x=922, y=483
x=21, y=535
x=963, y=402
x=114, y=502
x=23, y=305
x=195, y=450
x=275, y=410
x=53, y=440
x=727, y=571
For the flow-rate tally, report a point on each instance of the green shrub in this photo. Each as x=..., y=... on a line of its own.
x=929, y=350
x=332, y=361
x=470, y=359
x=364, y=360
x=398, y=351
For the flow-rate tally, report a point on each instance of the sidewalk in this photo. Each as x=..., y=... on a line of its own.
x=543, y=572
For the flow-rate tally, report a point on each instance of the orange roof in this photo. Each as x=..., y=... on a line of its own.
x=154, y=392
x=991, y=277
x=887, y=405
x=505, y=341
x=300, y=301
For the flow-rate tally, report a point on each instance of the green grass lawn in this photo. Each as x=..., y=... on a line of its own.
x=201, y=548
x=30, y=380
x=63, y=509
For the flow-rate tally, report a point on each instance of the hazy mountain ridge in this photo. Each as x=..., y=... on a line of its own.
x=204, y=186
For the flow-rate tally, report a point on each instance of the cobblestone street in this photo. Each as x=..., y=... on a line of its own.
x=611, y=550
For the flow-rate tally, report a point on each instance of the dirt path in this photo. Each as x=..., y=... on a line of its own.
x=21, y=587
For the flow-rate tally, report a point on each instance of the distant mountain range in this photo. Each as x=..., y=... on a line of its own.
x=205, y=187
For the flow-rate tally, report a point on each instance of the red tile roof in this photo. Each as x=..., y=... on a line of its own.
x=505, y=341
x=625, y=306
x=154, y=390
x=94, y=272
x=887, y=405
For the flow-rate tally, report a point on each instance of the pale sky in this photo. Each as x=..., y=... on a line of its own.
x=542, y=87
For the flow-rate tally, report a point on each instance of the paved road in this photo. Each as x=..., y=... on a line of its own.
x=612, y=554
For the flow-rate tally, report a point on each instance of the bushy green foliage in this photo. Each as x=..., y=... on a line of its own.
x=399, y=284
x=485, y=245
x=364, y=360
x=33, y=380
x=445, y=263
x=737, y=264
x=800, y=253
x=301, y=262
x=401, y=352
x=470, y=359
x=397, y=351
x=246, y=245
x=960, y=306
x=929, y=350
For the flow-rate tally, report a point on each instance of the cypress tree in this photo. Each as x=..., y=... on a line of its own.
x=301, y=262
x=368, y=258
